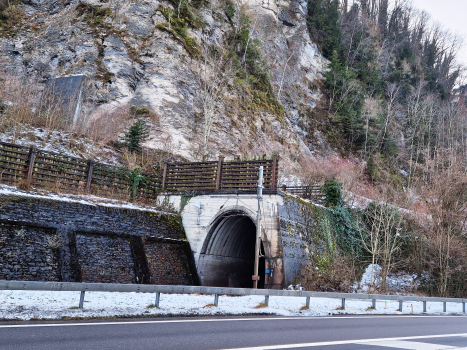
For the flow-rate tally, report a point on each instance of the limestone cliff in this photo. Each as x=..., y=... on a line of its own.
x=132, y=56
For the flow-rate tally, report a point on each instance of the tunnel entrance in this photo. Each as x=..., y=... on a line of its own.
x=228, y=254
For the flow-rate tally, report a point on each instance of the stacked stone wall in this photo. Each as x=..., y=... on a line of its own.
x=28, y=253
x=51, y=240
x=167, y=263
x=105, y=259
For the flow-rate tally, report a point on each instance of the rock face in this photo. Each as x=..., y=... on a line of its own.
x=131, y=59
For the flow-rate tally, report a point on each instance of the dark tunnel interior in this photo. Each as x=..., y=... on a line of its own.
x=227, y=257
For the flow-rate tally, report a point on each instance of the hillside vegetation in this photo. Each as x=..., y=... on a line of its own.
x=389, y=98
x=362, y=96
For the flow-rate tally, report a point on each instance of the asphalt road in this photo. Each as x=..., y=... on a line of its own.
x=340, y=333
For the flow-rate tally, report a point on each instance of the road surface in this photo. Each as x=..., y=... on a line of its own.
x=255, y=333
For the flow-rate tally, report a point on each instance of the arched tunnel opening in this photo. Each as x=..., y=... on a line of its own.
x=228, y=255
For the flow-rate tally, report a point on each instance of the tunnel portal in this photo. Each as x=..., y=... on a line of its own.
x=227, y=257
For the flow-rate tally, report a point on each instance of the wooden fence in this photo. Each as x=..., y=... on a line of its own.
x=28, y=166
x=219, y=175
x=313, y=192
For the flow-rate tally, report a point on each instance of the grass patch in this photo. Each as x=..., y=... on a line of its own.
x=260, y=306
x=11, y=20
x=370, y=308
x=304, y=307
x=209, y=305
x=152, y=306
x=73, y=308
x=178, y=27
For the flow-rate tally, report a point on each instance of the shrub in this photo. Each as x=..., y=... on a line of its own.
x=332, y=189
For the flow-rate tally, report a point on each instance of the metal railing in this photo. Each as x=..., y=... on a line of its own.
x=216, y=291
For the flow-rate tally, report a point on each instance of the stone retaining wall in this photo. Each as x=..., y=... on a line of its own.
x=52, y=240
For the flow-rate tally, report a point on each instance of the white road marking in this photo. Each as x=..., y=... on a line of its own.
x=356, y=341
x=213, y=320
x=409, y=345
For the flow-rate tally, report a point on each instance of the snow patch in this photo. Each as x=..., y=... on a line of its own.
x=27, y=305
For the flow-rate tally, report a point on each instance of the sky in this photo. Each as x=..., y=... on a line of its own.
x=451, y=14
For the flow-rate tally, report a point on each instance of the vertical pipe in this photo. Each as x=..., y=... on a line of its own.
x=307, y=302
x=343, y=303
x=258, y=229
x=216, y=299
x=424, y=307
x=158, y=299
x=373, y=303
x=400, y=305
x=444, y=306
x=463, y=308
x=266, y=300
x=81, y=299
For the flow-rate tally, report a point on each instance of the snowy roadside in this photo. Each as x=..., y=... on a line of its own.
x=27, y=305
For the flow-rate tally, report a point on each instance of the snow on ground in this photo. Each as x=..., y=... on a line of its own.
x=27, y=305
x=62, y=142
x=397, y=283
x=82, y=199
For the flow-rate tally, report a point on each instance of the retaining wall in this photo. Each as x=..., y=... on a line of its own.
x=51, y=240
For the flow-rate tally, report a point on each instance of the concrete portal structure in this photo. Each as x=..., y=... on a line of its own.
x=220, y=228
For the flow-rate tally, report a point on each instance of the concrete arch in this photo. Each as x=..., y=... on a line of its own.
x=227, y=255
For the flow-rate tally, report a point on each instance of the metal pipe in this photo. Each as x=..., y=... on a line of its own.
x=258, y=229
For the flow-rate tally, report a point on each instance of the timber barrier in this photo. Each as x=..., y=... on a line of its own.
x=28, y=166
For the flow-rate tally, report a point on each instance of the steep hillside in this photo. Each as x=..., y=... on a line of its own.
x=159, y=55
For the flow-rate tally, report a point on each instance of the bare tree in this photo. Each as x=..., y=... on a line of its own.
x=380, y=237
x=214, y=73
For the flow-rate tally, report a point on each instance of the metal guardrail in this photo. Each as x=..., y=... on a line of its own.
x=216, y=291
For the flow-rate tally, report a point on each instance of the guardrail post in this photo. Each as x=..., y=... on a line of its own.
x=32, y=158
x=216, y=299
x=424, y=307
x=400, y=305
x=89, y=179
x=158, y=299
x=307, y=302
x=373, y=303
x=343, y=304
x=444, y=306
x=463, y=308
x=266, y=300
x=81, y=299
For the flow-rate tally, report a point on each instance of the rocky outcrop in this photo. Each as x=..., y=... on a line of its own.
x=131, y=57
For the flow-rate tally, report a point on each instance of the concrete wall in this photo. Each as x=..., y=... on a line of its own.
x=304, y=235
x=52, y=240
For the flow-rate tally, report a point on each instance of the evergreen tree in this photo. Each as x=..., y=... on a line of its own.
x=137, y=133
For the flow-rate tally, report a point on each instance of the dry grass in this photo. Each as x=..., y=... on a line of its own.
x=260, y=306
